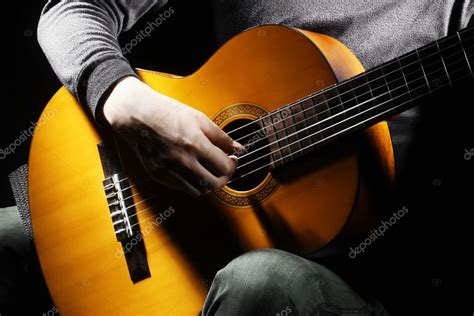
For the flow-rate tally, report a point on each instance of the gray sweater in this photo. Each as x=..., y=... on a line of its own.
x=79, y=38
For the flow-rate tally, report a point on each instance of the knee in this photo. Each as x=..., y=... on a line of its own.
x=12, y=233
x=270, y=281
x=263, y=268
x=265, y=277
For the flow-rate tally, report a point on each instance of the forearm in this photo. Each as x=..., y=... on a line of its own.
x=79, y=38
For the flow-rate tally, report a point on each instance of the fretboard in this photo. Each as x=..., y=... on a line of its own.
x=370, y=97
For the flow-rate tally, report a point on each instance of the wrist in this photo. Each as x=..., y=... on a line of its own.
x=116, y=109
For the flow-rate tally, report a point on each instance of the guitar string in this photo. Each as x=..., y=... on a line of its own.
x=336, y=134
x=319, y=92
x=143, y=210
x=351, y=90
x=116, y=192
x=123, y=190
x=319, y=113
x=379, y=114
x=422, y=95
x=317, y=124
x=136, y=213
x=143, y=220
x=116, y=182
x=391, y=109
x=420, y=78
x=334, y=86
x=332, y=108
x=389, y=63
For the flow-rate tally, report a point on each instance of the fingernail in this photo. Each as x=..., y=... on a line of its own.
x=238, y=147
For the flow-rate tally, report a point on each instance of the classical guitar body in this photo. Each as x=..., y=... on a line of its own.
x=184, y=241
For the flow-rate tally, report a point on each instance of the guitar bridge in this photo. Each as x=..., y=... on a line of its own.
x=122, y=213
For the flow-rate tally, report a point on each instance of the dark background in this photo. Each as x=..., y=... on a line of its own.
x=423, y=265
x=179, y=46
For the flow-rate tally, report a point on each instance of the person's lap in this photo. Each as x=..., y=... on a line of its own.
x=260, y=282
x=275, y=282
x=14, y=254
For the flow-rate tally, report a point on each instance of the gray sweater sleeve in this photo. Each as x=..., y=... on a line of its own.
x=79, y=38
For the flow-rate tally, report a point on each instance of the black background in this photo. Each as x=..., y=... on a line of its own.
x=422, y=266
x=179, y=46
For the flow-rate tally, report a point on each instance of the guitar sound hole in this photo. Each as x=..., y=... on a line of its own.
x=254, y=163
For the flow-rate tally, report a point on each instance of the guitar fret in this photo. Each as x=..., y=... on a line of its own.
x=300, y=126
x=386, y=83
x=281, y=134
x=404, y=77
x=310, y=117
x=379, y=88
x=272, y=138
x=453, y=55
x=370, y=87
x=395, y=79
x=465, y=54
x=467, y=38
x=399, y=90
x=364, y=95
x=291, y=130
x=424, y=72
x=336, y=109
x=324, y=121
x=433, y=64
x=444, y=64
x=349, y=101
x=414, y=75
x=376, y=94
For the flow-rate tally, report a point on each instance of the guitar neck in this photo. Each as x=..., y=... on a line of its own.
x=374, y=95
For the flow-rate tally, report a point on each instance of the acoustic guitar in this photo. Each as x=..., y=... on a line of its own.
x=318, y=158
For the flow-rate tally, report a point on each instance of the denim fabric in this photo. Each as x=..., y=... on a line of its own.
x=14, y=254
x=22, y=287
x=274, y=282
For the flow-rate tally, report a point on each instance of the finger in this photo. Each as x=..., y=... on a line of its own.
x=190, y=169
x=207, y=180
x=220, y=139
x=215, y=160
x=234, y=159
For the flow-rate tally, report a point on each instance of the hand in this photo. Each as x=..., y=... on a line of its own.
x=178, y=146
